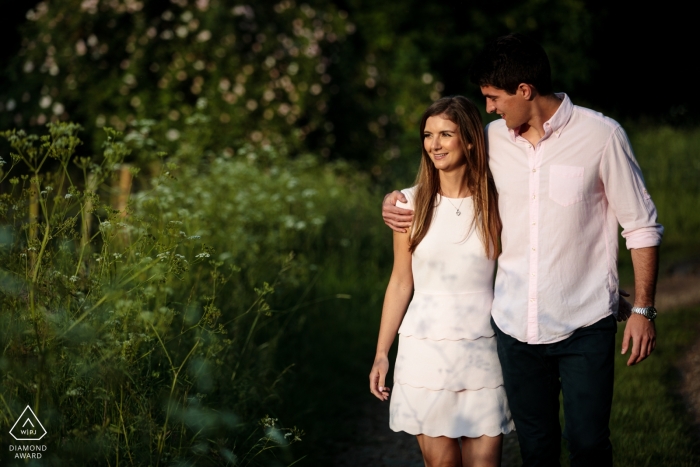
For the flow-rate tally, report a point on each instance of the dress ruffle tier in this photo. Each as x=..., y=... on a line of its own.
x=470, y=413
x=447, y=378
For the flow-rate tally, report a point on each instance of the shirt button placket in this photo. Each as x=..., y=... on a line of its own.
x=532, y=318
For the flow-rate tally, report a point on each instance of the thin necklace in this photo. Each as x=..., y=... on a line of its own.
x=459, y=213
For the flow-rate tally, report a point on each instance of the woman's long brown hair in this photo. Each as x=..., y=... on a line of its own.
x=464, y=113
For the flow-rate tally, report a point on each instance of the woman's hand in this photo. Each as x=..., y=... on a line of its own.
x=377, y=378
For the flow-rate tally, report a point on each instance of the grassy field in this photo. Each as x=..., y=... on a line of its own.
x=650, y=424
x=671, y=166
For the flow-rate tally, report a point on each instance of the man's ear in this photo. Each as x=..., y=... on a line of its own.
x=527, y=91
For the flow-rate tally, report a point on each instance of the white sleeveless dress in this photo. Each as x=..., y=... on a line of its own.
x=447, y=377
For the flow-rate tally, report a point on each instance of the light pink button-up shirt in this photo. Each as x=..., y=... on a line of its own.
x=561, y=202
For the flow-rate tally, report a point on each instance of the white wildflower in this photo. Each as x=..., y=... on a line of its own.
x=202, y=255
x=68, y=196
x=73, y=278
x=45, y=102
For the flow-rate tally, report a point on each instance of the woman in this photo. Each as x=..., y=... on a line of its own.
x=448, y=381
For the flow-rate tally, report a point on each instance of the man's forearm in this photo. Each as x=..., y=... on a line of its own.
x=646, y=269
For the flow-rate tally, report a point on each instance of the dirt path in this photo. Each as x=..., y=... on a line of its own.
x=682, y=290
x=376, y=445
x=373, y=444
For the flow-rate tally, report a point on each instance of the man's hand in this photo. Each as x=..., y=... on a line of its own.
x=624, y=308
x=645, y=262
x=643, y=335
x=396, y=218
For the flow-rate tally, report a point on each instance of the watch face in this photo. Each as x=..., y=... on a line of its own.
x=648, y=312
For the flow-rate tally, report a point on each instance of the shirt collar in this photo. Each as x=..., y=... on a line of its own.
x=557, y=122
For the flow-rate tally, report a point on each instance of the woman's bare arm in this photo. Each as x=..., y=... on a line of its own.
x=398, y=294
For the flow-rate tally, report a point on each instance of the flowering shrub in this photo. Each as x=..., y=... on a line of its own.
x=148, y=335
x=263, y=67
x=281, y=72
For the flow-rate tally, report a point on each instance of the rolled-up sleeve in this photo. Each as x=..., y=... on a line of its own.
x=627, y=194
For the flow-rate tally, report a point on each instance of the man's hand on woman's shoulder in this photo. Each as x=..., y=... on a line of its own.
x=397, y=219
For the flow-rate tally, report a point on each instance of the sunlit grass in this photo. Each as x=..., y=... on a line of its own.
x=671, y=166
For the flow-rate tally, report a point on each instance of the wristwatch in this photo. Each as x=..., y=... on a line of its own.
x=648, y=312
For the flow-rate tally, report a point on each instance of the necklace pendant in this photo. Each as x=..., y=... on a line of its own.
x=458, y=212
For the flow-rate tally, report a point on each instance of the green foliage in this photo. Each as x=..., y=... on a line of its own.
x=407, y=54
x=345, y=83
x=668, y=158
x=262, y=68
x=154, y=336
x=671, y=171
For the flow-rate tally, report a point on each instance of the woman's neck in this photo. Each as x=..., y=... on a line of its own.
x=453, y=184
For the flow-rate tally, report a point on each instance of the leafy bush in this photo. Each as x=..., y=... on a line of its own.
x=152, y=338
x=262, y=67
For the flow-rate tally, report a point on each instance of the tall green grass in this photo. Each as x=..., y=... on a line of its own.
x=163, y=334
x=670, y=161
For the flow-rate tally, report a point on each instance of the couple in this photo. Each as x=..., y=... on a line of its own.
x=556, y=182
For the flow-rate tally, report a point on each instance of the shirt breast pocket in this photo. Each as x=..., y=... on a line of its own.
x=566, y=184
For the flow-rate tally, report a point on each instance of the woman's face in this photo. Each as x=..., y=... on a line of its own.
x=442, y=142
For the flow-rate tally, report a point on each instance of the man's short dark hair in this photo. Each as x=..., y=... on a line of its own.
x=511, y=60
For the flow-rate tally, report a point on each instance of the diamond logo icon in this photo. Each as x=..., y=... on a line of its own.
x=28, y=427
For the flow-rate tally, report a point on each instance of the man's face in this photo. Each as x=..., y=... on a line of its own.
x=513, y=108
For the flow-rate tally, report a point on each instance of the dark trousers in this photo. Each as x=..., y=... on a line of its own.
x=582, y=366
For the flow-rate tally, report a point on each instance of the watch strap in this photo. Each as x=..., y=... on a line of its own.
x=648, y=312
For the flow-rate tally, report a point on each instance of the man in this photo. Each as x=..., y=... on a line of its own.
x=566, y=176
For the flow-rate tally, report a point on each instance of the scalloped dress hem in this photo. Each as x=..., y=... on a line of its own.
x=468, y=413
